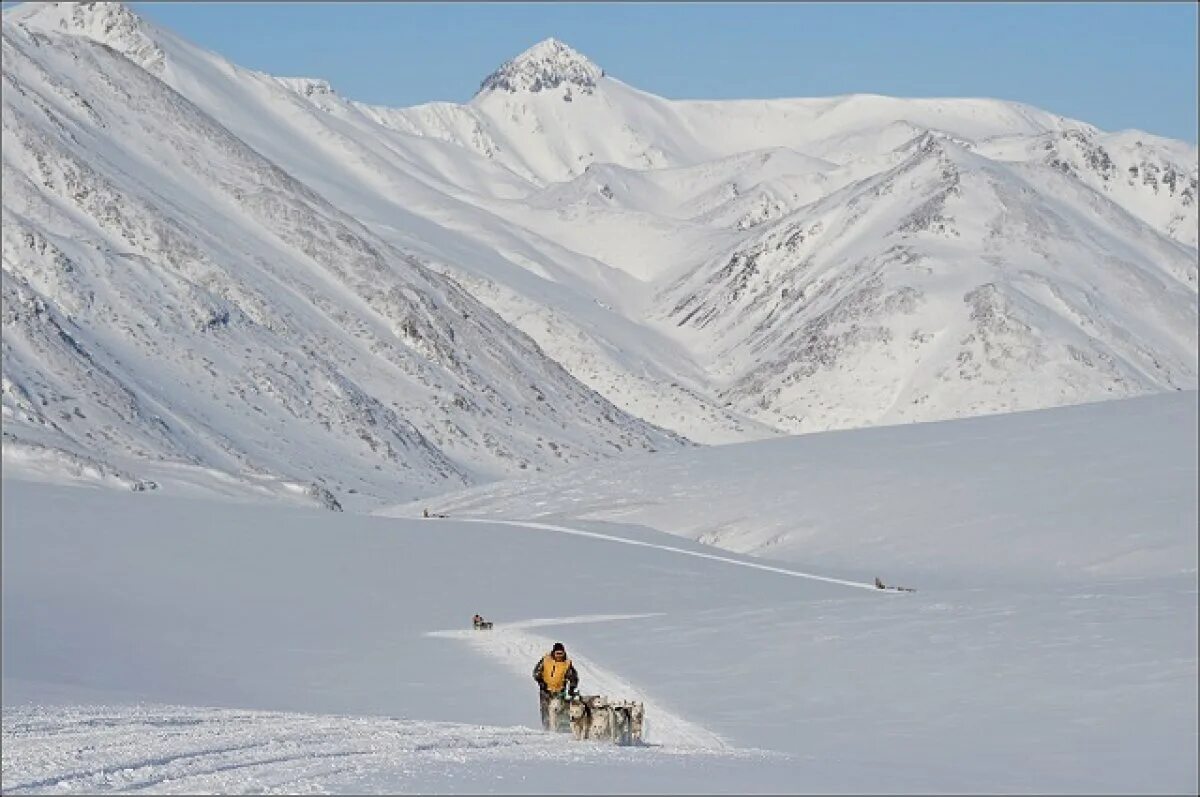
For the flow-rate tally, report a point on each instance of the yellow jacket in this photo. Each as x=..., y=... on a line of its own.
x=555, y=674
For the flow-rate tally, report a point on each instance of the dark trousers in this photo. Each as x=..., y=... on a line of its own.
x=544, y=705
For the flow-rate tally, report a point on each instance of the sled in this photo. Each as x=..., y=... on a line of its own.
x=480, y=624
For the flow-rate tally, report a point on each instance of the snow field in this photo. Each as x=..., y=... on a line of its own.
x=189, y=750
x=1001, y=680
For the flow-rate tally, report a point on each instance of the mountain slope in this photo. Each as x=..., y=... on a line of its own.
x=550, y=113
x=429, y=198
x=949, y=285
x=185, y=299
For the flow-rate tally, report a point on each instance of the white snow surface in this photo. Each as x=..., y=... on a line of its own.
x=159, y=643
x=1103, y=490
x=416, y=299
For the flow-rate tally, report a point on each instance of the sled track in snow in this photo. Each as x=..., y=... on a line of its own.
x=699, y=554
x=516, y=648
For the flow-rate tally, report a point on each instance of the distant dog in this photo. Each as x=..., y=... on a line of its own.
x=581, y=718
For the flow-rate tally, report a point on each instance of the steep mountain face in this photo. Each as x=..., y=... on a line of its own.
x=170, y=295
x=438, y=203
x=949, y=285
x=216, y=270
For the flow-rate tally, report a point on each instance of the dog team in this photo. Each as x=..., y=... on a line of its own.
x=598, y=718
x=481, y=624
x=590, y=717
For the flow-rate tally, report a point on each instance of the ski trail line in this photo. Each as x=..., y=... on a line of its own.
x=700, y=554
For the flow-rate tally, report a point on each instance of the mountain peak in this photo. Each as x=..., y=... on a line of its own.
x=76, y=18
x=546, y=65
x=114, y=24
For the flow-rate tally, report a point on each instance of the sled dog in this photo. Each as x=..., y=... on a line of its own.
x=581, y=718
x=560, y=718
x=601, y=718
x=597, y=718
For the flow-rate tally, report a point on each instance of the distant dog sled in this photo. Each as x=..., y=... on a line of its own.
x=426, y=513
x=481, y=624
x=880, y=585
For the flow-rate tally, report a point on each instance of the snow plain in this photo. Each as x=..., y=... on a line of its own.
x=166, y=644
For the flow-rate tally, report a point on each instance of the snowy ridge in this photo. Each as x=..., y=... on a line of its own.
x=113, y=24
x=937, y=289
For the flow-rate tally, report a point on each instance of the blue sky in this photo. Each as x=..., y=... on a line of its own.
x=1115, y=65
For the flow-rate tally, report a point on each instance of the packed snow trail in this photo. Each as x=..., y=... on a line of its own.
x=518, y=650
x=700, y=554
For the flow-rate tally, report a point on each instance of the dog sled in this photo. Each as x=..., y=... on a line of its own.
x=481, y=624
x=598, y=718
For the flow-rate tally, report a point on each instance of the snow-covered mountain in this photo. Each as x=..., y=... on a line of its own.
x=242, y=273
x=947, y=285
x=170, y=294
